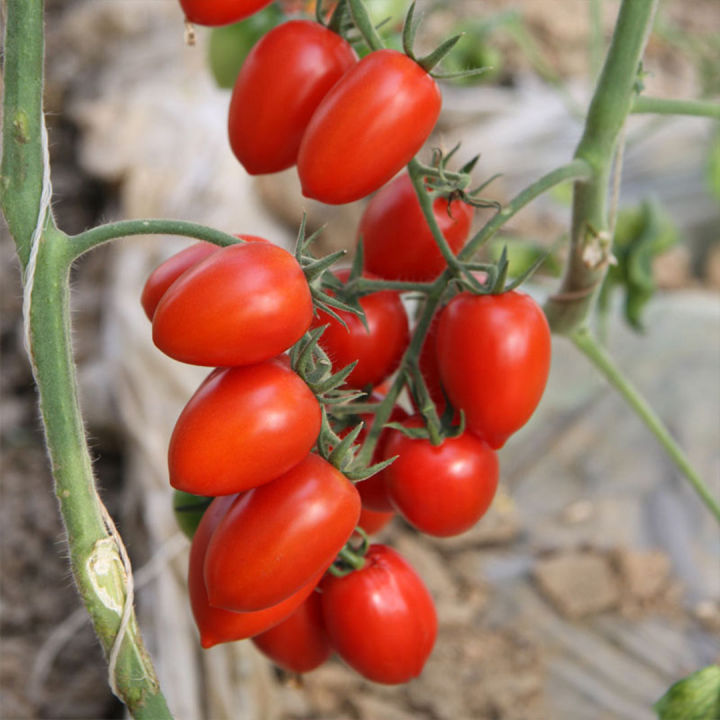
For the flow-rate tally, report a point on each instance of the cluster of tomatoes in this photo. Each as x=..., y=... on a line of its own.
x=266, y=439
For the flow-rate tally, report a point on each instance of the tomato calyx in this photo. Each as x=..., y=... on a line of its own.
x=352, y=556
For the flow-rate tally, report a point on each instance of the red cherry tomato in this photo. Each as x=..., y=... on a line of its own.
x=300, y=643
x=378, y=349
x=243, y=427
x=441, y=490
x=428, y=365
x=168, y=272
x=281, y=82
x=372, y=521
x=215, y=624
x=278, y=536
x=220, y=12
x=241, y=305
x=494, y=358
x=367, y=128
x=381, y=619
x=397, y=241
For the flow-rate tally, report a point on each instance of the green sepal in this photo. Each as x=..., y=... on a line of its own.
x=409, y=31
x=429, y=61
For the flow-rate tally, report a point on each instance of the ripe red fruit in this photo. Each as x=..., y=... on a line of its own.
x=220, y=12
x=283, y=79
x=243, y=427
x=441, y=490
x=367, y=128
x=493, y=354
x=397, y=241
x=380, y=619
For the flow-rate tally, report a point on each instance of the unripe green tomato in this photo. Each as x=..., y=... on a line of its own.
x=189, y=510
x=230, y=45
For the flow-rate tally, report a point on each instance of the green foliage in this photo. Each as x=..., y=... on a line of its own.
x=641, y=234
x=474, y=50
x=189, y=510
x=696, y=697
x=523, y=255
x=713, y=166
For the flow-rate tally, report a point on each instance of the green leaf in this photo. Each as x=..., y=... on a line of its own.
x=713, y=166
x=696, y=697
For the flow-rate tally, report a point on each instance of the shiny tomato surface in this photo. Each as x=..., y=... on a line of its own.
x=220, y=12
x=397, y=241
x=367, y=128
x=283, y=79
x=381, y=619
x=441, y=490
x=493, y=355
x=243, y=427
x=215, y=624
x=241, y=305
x=278, y=536
x=298, y=644
x=378, y=349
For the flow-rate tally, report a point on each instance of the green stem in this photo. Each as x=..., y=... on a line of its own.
x=587, y=344
x=596, y=37
x=364, y=286
x=364, y=25
x=667, y=106
x=590, y=246
x=89, y=239
x=575, y=170
x=95, y=556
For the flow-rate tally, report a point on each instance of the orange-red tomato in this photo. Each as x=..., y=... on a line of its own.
x=298, y=644
x=397, y=241
x=276, y=537
x=493, y=354
x=372, y=521
x=381, y=619
x=215, y=624
x=241, y=305
x=243, y=427
x=283, y=79
x=220, y=12
x=367, y=128
x=441, y=490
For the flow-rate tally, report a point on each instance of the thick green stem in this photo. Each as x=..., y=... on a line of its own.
x=668, y=106
x=95, y=556
x=89, y=239
x=587, y=344
x=590, y=248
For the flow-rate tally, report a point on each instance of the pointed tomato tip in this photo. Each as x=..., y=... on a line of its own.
x=207, y=642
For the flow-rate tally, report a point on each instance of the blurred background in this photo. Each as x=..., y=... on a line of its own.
x=594, y=581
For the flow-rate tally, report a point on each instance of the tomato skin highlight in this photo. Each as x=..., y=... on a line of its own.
x=243, y=427
x=283, y=79
x=299, y=643
x=440, y=490
x=241, y=305
x=220, y=12
x=215, y=624
x=493, y=355
x=378, y=349
x=278, y=536
x=397, y=241
x=367, y=128
x=381, y=619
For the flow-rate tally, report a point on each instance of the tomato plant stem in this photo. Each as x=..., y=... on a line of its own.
x=89, y=239
x=668, y=106
x=590, y=236
x=588, y=345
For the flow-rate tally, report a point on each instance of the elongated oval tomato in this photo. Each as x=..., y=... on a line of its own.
x=373, y=521
x=378, y=349
x=367, y=128
x=241, y=305
x=243, y=427
x=397, y=241
x=168, y=272
x=298, y=644
x=215, y=624
x=220, y=12
x=278, y=536
x=493, y=354
x=380, y=619
x=284, y=78
x=441, y=490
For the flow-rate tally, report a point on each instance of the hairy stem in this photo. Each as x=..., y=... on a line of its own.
x=587, y=344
